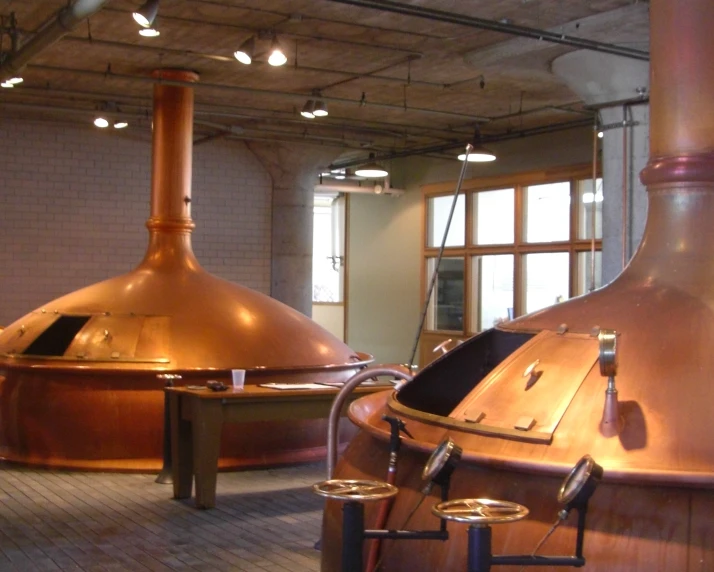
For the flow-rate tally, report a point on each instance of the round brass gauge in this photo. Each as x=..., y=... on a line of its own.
x=445, y=456
x=580, y=484
x=607, y=339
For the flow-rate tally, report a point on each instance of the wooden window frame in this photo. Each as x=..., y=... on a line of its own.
x=573, y=246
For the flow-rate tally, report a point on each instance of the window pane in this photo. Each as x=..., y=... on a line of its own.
x=492, y=290
x=439, y=208
x=547, y=212
x=446, y=307
x=589, y=205
x=585, y=271
x=493, y=217
x=327, y=253
x=546, y=279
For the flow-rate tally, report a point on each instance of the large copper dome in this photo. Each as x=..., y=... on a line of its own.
x=80, y=378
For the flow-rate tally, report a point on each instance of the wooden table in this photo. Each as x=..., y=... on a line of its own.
x=197, y=416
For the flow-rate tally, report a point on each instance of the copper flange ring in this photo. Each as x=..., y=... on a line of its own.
x=354, y=490
x=480, y=511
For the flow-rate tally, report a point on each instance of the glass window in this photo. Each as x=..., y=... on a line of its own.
x=546, y=279
x=438, y=216
x=589, y=208
x=547, y=212
x=492, y=290
x=493, y=217
x=446, y=307
x=584, y=281
x=327, y=249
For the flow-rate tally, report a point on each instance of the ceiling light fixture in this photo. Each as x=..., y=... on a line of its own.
x=244, y=54
x=320, y=108
x=478, y=153
x=371, y=170
x=120, y=124
x=146, y=15
x=7, y=85
x=15, y=80
x=101, y=122
x=149, y=32
x=308, y=110
x=277, y=57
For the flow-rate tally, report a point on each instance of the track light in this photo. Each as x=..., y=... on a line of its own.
x=12, y=82
x=478, y=153
x=308, y=110
x=101, y=122
x=277, y=57
x=244, y=54
x=320, y=108
x=149, y=32
x=371, y=170
x=146, y=15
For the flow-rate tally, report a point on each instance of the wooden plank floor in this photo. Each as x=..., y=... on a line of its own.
x=265, y=520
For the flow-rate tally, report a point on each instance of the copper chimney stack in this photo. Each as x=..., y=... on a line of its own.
x=646, y=416
x=79, y=377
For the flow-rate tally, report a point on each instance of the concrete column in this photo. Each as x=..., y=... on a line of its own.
x=600, y=79
x=294, y=169
x=621, y=178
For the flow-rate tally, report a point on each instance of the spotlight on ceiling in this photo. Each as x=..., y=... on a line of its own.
x=308, y=110
x=244, y=54
x=15, y=80
x=478, y=153
x=277, y=57
x=320, y=108
x=101, y=122
x=7, y=85
x=371, y=170
x=149, y=32
x=146, y=15
x=120, y=124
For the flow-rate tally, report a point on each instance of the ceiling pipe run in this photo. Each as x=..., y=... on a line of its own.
x=263, y=92
x=52, y=30
x=495, y=26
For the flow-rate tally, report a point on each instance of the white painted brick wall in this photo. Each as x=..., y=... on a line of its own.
x=74, y=201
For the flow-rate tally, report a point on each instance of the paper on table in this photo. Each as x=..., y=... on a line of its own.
x=292, y=385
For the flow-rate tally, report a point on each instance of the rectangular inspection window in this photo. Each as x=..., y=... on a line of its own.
x=438, y=216
x=493, y=217
x=492, y=290
x=547, y=212
x=589, y=208
x=547, y=279
x=55, y=340
x=446, y=306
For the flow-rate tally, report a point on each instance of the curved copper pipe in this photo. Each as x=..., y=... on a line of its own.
x=339, y=401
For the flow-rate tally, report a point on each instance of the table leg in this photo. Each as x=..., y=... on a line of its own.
x=207, y=424
x=181, y=447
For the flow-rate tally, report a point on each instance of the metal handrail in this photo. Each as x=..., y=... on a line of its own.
x=339, y=401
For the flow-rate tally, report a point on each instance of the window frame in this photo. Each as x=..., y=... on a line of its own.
x=519, y=181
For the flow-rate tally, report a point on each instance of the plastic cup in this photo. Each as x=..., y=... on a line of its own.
x=238, y=376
